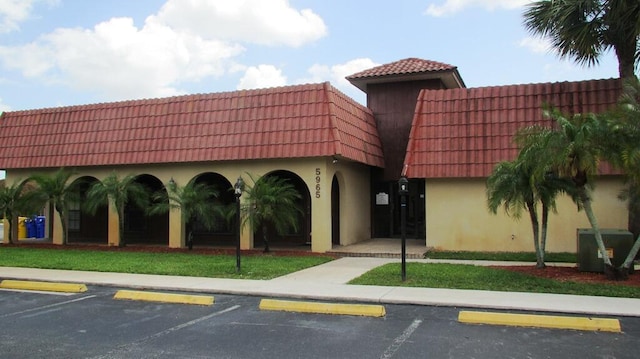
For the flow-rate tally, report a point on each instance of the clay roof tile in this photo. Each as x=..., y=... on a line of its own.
x=485, y=121
x=284, y=122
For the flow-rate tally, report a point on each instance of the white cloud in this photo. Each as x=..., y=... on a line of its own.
x=262, y=76
x=186, y=41
x=265, y=22
x=4, y=107
x=13, y=12
x=336, y=74
x=120, y=61
x=536, y=45
x=450, y=7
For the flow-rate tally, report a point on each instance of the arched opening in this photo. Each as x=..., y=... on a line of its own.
x=141, y=228
x=223, y=232
x=295, y=238
x=84, y=227
x=335, y=211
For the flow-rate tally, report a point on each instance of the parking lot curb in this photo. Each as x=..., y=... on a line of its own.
x=43, y=286
x=366, y=310
x=164, y=297
x=540, y=321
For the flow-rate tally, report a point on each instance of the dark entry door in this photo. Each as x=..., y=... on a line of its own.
x=386, y=210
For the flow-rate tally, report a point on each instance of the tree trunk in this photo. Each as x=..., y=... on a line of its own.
x=536, y=234
x=628, y=262
x=63, y=222
x=121, y=241
x=626, y=60
x=586, y=203
x=543, y=235
x=265, y=238
x=13, y=230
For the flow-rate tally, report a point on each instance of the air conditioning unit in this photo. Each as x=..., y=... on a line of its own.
x=618, y=243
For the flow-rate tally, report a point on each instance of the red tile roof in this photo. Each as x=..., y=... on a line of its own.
x=463, y=133
x=410, y=69
x=286, y=122
x=401, y=67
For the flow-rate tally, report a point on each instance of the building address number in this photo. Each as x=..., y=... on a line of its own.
x=317, y=182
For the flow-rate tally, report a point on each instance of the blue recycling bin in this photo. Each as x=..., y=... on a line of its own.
x=30, y=223
x=40, y=221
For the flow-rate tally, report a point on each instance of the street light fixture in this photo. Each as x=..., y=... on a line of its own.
x=238, y=188
x=403, y=191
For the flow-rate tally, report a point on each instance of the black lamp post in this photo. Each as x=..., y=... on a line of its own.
x=403, y=191
x=238, y=188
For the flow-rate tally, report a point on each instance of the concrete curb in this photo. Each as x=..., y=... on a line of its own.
x=43, y=286
x=365, y=310
x=164, y=297
x=541, y=321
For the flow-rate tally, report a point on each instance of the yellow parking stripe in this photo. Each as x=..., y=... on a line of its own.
x=323, y=308
x=164, y=297
x=43, y=286
x=541, y=321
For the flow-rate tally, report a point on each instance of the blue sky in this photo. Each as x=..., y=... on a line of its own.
x=68, y=52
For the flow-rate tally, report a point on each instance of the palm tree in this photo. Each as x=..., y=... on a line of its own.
x=573, y=151
x=513, y=186
x=509, y=186
x=585, y=29
x=18, y=198
x=59, y=194
x=197, y=202
x=622, y=149
x=118, y=192
x=271, y=200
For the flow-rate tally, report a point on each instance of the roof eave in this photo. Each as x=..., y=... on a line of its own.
x=450, y=78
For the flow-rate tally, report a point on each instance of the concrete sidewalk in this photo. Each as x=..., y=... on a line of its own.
x=328, y=282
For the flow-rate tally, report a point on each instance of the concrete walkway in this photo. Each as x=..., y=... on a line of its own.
x=328, y=282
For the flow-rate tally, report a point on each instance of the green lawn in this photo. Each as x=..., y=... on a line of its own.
x=259, y=266
x=456, y=276
x=185, y=264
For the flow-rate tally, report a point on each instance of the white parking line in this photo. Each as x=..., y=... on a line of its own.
x=48, y=306
x=124, y=349
x=397, y=343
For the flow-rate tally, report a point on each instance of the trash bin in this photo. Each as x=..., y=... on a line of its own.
x=30, y=223
x=618, y=243
x=40, y=221
x=22, y=227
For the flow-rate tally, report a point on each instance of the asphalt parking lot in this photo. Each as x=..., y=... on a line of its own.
x=93, y=324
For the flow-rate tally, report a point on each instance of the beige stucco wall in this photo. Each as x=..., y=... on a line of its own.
x=457, y=218
x=355, y=202
x=317, y=173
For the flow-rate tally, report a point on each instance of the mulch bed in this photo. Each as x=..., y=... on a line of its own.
x=566, y=274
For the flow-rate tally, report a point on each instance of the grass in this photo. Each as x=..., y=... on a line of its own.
x=180, y=264
x=502, y=256
x=452, y=276
x=456, y=276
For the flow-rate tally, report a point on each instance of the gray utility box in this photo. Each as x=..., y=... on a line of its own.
x=617, y=241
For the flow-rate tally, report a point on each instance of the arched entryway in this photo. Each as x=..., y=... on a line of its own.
x=84, y=227
x=141, y=228
x=223, y=232
x=297, y=239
